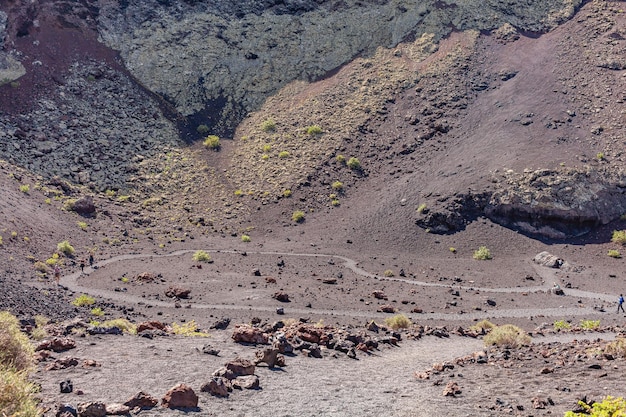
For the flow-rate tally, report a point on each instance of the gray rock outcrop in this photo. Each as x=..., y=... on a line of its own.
x=219, y=61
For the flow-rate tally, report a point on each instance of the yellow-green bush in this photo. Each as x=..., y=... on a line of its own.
x=245, y=238
x=268, y=125
x=399, y=321
x=482, y=254
x=298, y=216
x=201, y=256
x=354, y=163
x=590, y=324
x=507, y=336
x=614, y=253
x=561, y=325
x=608, y=407
x=188, y=329
x=83, y=300
x=617, y=347
x=65, y=248
x=212, y=142
x=619, y=236
x=122, y=324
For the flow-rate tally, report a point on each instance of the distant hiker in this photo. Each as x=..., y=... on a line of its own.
x=82, y=265
x=620, y=301
x=91, y=260
x=57, y=274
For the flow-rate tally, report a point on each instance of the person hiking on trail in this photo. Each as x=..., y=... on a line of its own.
x=91, y=260
x=57, y=274
x=82, y=265
x=620, y=301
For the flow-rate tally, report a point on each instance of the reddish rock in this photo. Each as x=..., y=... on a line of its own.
x=417, y=310
x=217, y=386
x=62, y=364
x=310, y=334
x=177, y=292
x=539, y=403
x=57, y=344
x=180, y=396
x=249, y=334
x=386, y=308
x=151, y=325
x=379, y=295
x=246, y=382
x=452, y=389
x=92, y=409
x=239, y=367
x=142, y=400
x=146, y=277
x=270, y=280
x=281, y=296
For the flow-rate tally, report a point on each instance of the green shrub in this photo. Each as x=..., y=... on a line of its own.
x=82, y=225
x=619, y=237
x=298, y=216
x=267, y=148
x=97, y=311
x=451, y=249
x=188, y=329
x=68, y=204
x=399, y=321
x=600, y=156
x=590, y=324
x=608, y=407
x=238, y=193
x=341, y=159
x=287, y=193
x=562, y=325
x=614, y=253
x=53, y=260
x=110, y=193
x=388, y=273
x=16, y=352
x=482, y=254
x=421, y=208
x=337, y=185
x=0, y=240
x=334, y=202
x=212, y=142
x=265, y=157
x=65, y=248
x=245, y=238
x=25, y=188
x=314, y=130
x=202, y=129
x=507, y=336
x=122, y=324
x=354, y=164
x=201, y=256
x=268, y=125
x=83, y=300
x=283, y=154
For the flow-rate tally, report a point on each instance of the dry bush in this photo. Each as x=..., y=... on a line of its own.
x=483, y=326
x=15, y=349
x=617, y=348
x=507, y=336
x=17, y=394
x=399, y=321
x=122, y=324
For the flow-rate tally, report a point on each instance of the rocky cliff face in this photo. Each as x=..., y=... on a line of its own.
x=217, y=61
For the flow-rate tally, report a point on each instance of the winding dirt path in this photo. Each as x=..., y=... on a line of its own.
x=71, y=282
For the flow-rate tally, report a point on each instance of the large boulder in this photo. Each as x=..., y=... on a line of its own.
x=142, y=400
x=180, y=396
x=57, y=344
x=217, y=387
x=92, y=409
x=84, y=206
x=249, y=334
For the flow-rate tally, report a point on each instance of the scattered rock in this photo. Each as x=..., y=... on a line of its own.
x=117, y=409
x=146, y=277
x=62, y=364
x=268, y=356
x=547, y=259
x=151, y=325
x=270, y=280
x=57, y=344
x=66, y=386
x=281, y=296
x=92, y=409
x=65, y=410
x=451, y=390
x=84, y=206
x=142, y=400
x=217, y=386
x=256, y=272
x=246, y=382
x=329, y=281
x=180, y=396
x=379, y=295
x=249, y=334
x=239, y=367
x=210, y=350
x=386, y=308
x=177, y=292
x=221, y=324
